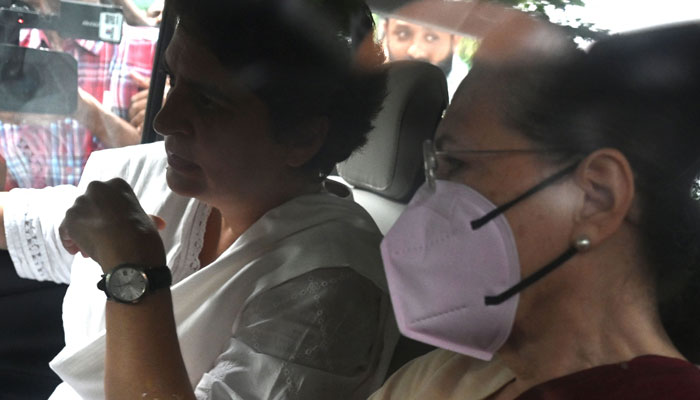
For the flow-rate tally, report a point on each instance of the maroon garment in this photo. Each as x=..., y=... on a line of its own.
x=643, y=378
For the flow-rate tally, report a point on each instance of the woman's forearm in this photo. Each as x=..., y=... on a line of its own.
x=143, y=358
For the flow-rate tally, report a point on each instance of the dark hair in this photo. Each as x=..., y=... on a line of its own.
x=302, y=58
x=640, y=94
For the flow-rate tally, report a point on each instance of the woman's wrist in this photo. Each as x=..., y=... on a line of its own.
x=146, y=253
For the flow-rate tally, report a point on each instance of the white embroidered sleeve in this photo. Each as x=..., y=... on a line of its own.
x=32, y=218
x=317, y=336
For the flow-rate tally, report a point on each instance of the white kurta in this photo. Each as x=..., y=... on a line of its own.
x=295, y=308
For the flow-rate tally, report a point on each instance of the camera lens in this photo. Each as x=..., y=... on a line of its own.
x=19, y=79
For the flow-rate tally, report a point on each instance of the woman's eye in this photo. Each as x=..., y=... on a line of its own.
x=204, y=101
x=448, y=166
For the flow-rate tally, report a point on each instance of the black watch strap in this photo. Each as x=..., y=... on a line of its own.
x=158, y=277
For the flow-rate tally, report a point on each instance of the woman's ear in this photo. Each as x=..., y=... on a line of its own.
x=309, y=138
x=607, y=185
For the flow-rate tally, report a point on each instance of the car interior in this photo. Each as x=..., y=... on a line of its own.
x=382, y=176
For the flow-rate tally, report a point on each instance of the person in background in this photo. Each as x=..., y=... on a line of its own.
x=565, y=192
x=404, y=40
x=278, y=289
x=49, y=150
x=137, y=16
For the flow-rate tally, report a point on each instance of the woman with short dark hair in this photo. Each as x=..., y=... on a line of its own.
x=278, y=289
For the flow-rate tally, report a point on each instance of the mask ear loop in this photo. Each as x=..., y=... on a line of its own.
x=582, y=243
x=539, y=274
x=478, y=223
x=536, y=276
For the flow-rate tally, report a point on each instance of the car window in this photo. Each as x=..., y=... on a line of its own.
x=447, y=35
x=45, y=150
x=48, y=147
x=114, y=107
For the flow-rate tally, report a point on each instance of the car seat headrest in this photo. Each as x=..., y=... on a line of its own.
x=391, y=163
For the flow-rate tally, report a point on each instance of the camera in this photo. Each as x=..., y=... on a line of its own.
x=41, y=81
x=37, y=81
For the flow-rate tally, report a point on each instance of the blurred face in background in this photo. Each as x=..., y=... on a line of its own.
x=407, y=41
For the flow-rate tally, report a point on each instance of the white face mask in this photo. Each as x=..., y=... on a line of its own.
x=453, y=268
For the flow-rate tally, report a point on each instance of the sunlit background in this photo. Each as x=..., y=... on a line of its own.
x=625, y=15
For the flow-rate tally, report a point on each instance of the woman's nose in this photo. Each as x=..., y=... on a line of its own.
x=173, y=117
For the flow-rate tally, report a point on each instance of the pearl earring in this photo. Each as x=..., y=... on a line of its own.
x=695, y=189
x=582, y=243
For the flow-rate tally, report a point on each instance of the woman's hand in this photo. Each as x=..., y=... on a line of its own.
x=108, y=225
x=143, y=355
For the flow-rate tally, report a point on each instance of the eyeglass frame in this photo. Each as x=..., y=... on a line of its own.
x=430, y=157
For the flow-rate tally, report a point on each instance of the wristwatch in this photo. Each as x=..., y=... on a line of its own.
x=129, y=283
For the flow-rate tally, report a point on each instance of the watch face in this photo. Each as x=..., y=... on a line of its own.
x=127, y=284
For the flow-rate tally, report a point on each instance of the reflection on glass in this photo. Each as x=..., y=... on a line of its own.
x=404, y=40
x=47, y=150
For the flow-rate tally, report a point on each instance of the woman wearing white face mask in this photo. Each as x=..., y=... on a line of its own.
x=558, y=230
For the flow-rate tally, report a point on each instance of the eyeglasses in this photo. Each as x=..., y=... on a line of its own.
x=431, y=157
